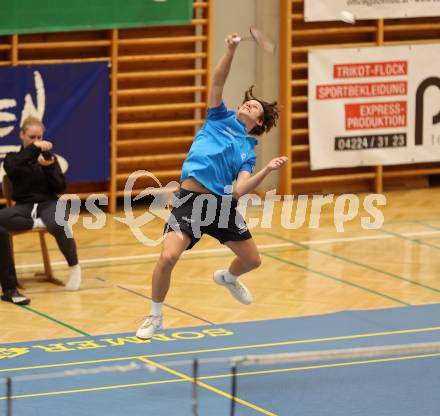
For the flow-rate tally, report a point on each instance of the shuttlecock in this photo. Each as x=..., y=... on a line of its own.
x=348, y=17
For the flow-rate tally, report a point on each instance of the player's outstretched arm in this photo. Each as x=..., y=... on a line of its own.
x=246, y=183
x=221, y=72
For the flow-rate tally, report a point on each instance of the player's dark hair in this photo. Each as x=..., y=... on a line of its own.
x=270, y=113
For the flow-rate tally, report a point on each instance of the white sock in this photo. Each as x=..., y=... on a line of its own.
x=38, y=223
x=156, y=308
x=74, y=281
x=229, y=277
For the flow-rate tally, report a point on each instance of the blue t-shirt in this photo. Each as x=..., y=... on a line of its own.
x=220, y=151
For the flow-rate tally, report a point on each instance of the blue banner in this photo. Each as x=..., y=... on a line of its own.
x=73, y=102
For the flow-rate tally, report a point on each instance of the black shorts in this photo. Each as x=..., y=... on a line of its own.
x=196, y=214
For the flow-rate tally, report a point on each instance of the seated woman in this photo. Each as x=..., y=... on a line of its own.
x=37, y=180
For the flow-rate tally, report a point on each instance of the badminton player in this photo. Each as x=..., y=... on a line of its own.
x=222, y=152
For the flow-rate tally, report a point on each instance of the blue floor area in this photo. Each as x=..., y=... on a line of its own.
x=404, y=386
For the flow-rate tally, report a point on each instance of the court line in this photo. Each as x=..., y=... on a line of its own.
x=357, y=263
x=431, y=238
x=218, y=376
x=118, y=386
x=432, y=227
x=366, y=238
x=56, y=320
x=328, y=276
x=226, y=254
x=208, y=387
x=404, y=237
x=235, y=348
x=316, y=367
x=146, y=256
x=220, y=250
x=409, y=221
x=154, y=260
x=167, y=305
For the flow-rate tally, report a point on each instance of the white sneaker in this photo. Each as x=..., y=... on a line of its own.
x=237, y=289
x=74, y=281
x=151, y=325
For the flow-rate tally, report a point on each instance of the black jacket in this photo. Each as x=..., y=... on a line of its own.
x=32, y=182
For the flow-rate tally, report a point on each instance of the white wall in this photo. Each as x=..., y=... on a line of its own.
x=235, y=16
x=251, y=65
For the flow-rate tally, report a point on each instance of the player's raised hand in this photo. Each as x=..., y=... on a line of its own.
x=276, y=163
x=232, y=40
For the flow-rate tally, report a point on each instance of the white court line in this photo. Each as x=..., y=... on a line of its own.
x=372, y=237
x=152, y=255
x=225, y=250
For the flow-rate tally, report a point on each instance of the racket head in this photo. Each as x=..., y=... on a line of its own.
x=263, y=40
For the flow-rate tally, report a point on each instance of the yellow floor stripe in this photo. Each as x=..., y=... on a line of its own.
x=236, y=348
x=316, y=367
x=119, y=386
x=208, y=387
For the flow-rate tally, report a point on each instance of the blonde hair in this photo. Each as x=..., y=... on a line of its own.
x=31, y=121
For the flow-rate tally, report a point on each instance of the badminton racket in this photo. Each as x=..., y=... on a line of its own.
x=261, y=38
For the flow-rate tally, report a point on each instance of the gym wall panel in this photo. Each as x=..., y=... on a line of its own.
x=296, y=39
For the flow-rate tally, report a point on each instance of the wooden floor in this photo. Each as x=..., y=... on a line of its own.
x=304, y=272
